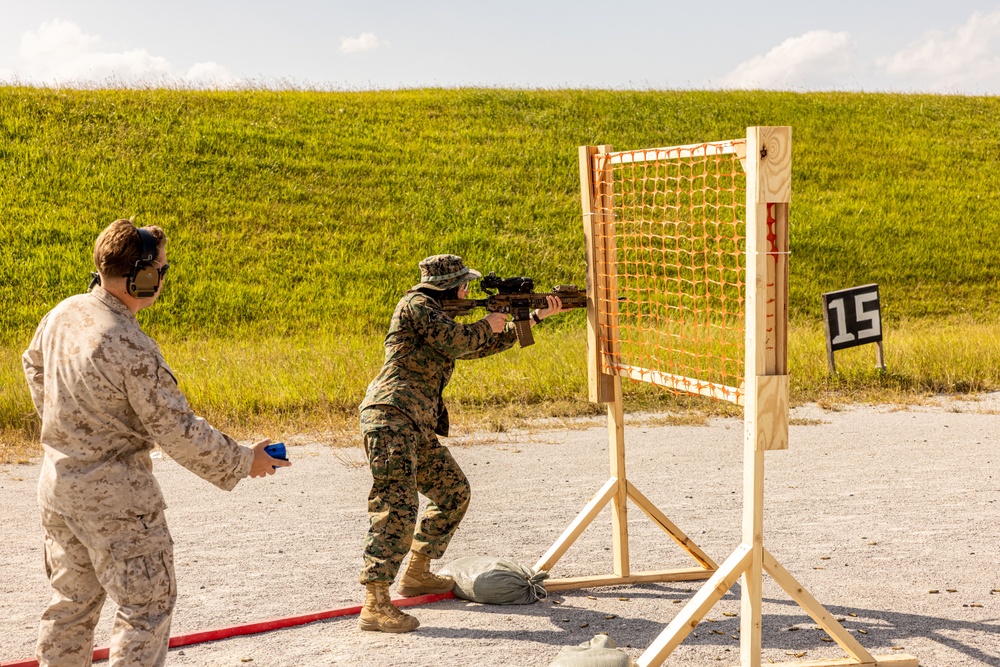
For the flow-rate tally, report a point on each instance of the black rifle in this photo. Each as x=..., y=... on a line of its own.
x=516, y=296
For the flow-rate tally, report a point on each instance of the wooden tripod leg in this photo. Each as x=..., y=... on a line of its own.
x=688, y=617
x=660, y=519
x=579, y=524
x=815, y=610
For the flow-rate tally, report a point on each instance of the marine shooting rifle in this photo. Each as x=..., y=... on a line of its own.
x=515, y=296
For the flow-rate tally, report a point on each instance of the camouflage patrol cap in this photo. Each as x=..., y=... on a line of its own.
x=443, y=272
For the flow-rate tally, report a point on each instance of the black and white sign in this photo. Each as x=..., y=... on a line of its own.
x=851, y=317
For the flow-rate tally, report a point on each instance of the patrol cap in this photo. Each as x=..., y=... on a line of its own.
x=442, y=272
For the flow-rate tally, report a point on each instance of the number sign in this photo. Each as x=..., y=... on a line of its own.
x=851, y=317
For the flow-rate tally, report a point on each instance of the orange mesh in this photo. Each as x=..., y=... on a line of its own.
x=670, y=288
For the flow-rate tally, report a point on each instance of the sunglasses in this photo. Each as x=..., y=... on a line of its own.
x=163, y=270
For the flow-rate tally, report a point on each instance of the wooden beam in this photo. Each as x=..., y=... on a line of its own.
x=815, y=610
x=771, y=412
x=901, y=660
x=578, y=525
x=696, y=608
x=619, y=501
x=772, y=152
x=719, y=392
x=599, y=384
x=768, y=182
x=751, y=595
x=672, y=530
x=768, y=169
x=678, y=574
x=607, y=258
x=680, y=152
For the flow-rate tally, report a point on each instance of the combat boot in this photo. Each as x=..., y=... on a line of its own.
x=418, y=580
x=381, y=615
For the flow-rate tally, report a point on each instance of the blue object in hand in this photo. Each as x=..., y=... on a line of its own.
x=276, y=450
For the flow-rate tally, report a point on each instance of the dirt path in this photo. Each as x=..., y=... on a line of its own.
x=870, y=508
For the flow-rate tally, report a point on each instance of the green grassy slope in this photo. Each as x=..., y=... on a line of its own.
x=303, y=214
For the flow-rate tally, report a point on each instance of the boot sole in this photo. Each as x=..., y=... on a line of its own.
x=414, y=592
x=375, y=627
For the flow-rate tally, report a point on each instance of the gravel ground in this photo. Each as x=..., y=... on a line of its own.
x=871, y=508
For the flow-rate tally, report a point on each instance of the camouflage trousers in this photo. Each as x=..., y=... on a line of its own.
x=404, y=462
x=128, y=558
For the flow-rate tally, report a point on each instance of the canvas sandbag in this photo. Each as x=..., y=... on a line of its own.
x=598, y=652
x=495, y=581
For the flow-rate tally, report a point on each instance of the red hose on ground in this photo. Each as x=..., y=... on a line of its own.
x=255, y=628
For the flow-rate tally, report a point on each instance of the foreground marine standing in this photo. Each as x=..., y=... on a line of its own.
x=106, y=397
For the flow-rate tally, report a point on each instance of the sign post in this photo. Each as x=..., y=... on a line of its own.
x=852, y=317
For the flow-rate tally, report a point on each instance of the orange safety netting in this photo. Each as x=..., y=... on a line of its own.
x=671, y=269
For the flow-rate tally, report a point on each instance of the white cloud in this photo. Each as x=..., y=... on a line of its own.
x=819, y=59
x=210, y=74
x=60, y=53
x=367, y=41
x=967, y=59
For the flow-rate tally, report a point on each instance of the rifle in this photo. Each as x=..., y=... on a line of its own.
x=515, y=296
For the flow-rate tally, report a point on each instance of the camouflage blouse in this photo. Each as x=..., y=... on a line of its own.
x=420, y=352
x=106, y=397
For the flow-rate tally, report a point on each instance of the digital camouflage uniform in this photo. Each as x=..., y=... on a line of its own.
x=401, y=417
x=105, y=397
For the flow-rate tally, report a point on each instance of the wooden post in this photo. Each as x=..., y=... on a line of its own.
x=769, y=170
x=619, y=503
x=601, y=386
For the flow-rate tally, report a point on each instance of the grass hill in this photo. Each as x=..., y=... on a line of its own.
x=297, y=218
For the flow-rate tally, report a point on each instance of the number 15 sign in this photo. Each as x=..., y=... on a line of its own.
x=851, y=317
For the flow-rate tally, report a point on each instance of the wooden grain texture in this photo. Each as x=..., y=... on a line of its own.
x=577, y=526
x=600, y=386
x=691, y=614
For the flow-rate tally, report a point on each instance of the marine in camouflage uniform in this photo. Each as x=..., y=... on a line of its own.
x=402, y=415
x=106, y=396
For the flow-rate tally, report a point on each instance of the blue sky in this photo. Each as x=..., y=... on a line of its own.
x=941, y=46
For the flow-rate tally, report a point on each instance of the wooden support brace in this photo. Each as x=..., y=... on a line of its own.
x=692, y=613
x=660, y=519
x=815, y=610
x=579, y=524
x=679, y=574
x=877, y=661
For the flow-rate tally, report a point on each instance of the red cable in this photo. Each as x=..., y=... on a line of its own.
x=255, y=628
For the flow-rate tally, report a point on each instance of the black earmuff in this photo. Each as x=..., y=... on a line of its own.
x=144, y=279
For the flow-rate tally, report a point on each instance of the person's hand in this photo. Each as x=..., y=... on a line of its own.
x=262, y=463
x=497, y=321
x=555, y=306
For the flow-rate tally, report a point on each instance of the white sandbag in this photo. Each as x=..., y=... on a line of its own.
x=598, y=652
x=495, y=581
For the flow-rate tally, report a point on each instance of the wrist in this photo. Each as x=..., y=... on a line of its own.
x=535, y=317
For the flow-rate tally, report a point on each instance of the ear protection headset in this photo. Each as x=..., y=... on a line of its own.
x=144, y=279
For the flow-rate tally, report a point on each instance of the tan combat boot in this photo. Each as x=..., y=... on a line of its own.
x=418, y=580
x=381, y=615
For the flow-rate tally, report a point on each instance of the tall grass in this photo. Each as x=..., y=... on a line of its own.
x=297, y=218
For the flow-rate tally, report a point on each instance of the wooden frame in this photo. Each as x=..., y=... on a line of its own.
x=766, y=158
x=602, y=311
x=768, y=168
